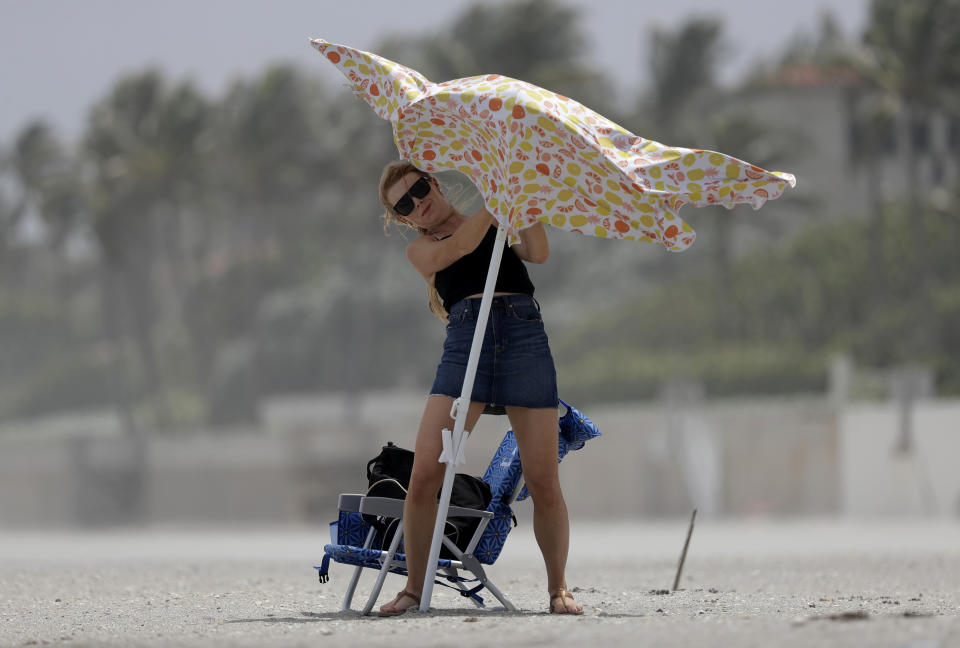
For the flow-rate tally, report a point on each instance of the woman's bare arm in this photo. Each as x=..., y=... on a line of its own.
x=533, y=246
x=429, y=255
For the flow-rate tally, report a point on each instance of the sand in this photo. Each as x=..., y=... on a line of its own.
x=761, y=583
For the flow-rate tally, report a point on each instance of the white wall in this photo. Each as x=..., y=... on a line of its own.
x=876, y=479
x=761, y=457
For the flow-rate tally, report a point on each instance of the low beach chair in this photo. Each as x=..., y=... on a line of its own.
x=354, y=541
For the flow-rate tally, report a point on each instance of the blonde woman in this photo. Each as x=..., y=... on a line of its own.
x=516, y=370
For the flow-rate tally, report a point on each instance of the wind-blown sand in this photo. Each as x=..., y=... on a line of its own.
x=794, y=583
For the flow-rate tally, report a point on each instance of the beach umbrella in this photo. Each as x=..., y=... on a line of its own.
x=537, y=156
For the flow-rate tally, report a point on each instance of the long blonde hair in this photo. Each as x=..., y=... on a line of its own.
x=392, y=174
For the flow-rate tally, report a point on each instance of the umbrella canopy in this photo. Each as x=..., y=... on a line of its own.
x=537, y=156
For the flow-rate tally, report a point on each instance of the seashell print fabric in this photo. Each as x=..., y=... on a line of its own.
x=537, y=156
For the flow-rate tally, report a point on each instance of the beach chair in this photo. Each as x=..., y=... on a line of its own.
x=354, y=541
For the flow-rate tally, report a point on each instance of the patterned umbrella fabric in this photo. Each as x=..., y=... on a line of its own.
x=537, y=156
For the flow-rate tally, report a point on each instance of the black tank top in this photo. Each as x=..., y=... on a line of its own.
x=467, y=275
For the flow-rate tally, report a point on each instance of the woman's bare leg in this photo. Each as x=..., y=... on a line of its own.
x=420, y=508
x=537, y=439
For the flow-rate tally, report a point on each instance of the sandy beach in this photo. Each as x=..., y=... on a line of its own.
x=760, y=583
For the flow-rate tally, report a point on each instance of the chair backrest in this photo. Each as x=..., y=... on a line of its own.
x=503, y=475
x=575, y=430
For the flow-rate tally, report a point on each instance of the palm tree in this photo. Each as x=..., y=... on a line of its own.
x=539, y=41
x=912, y=47
x=683, y=69
x=49, y=179
x=12, y=210
x=872, y=125
x=286, y=168
x=871, y=122
x=683, y=72
x=274, y=160
x=744, y=136
x=143, y=144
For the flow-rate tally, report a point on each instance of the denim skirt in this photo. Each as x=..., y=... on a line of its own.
x=516, y=367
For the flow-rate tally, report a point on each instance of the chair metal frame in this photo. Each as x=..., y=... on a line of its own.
x=463, y=560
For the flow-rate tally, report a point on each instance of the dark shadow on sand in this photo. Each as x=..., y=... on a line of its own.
x=316, y=617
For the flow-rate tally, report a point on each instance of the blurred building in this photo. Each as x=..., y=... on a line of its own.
x=830, y=112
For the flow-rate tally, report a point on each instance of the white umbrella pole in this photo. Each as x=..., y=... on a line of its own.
x=453, y=444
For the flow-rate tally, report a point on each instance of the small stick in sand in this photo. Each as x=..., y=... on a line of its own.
x=683, y=555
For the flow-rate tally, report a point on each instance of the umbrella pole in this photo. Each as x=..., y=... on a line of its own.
x=454, y=443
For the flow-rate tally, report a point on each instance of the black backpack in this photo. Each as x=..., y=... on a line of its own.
x=388, y=475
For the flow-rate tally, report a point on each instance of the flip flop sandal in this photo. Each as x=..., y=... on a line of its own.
x=562, y=594
x=397, y=599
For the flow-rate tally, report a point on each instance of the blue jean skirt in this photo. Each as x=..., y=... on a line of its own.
x=516, y=367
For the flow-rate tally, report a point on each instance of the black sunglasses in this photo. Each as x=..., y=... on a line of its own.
x=418, y=190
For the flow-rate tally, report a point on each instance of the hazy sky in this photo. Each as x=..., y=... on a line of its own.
x=59, y=56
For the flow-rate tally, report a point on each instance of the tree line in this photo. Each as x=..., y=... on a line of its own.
x=191, y=255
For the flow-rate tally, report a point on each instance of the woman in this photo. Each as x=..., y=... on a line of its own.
x=516, y=369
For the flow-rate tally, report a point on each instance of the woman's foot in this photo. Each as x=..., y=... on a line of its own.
x=400, y=604
x=562, y=602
